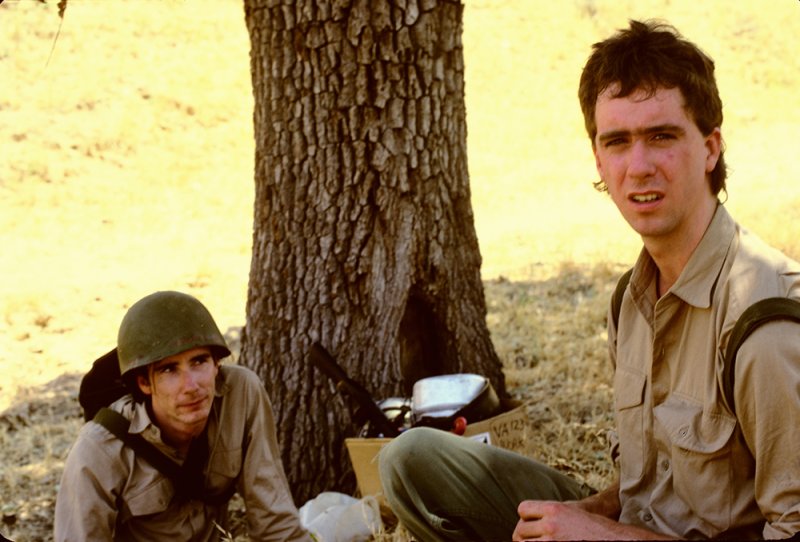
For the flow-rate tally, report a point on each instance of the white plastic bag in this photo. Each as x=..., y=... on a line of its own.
x=336, y=517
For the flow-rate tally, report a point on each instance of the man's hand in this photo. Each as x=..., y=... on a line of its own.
x=550, y=520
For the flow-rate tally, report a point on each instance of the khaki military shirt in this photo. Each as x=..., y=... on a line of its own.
x=108, y=493
x=688, y=467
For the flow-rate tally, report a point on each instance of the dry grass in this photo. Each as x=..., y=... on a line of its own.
x=549, y=330
x=551, y=335
x=127, y=167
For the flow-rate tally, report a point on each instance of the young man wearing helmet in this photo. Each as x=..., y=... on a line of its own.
x=691, y=464
x=214, y=421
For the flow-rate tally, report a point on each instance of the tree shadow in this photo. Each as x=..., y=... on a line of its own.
x=550, y=334
x=548, y=331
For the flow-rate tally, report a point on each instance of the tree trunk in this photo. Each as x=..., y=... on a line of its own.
x=363, y=236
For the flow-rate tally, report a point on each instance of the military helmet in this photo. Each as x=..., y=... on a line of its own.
x=164, y=324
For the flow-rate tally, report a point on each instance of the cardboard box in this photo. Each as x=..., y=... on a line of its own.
x=508, y=430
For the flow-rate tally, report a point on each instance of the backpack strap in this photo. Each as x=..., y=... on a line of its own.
x=619, y=293
x=761, y=312
x=187, y=479
x=119, y=424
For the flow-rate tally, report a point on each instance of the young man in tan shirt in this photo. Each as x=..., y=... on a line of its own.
x=691, y=465
x=196, y=412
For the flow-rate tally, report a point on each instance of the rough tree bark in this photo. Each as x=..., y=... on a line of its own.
x=363, y=235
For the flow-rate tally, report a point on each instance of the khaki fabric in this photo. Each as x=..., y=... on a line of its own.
x=688, y=467
x=108, y=493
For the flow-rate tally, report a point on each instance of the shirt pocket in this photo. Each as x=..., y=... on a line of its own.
x=224, y=467
x=152, y=499
x=701, y=457
x=629, y=406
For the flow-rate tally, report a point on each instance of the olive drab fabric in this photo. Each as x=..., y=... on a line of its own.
x=101, y=385
x=163, y=324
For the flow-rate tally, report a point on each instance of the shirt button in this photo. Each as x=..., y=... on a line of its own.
x=665, y=465
x=647, y=516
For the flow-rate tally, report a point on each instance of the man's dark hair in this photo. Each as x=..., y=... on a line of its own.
x=131, y=383
x=648, y=56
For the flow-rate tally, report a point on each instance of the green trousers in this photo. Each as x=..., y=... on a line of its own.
x=445, y=487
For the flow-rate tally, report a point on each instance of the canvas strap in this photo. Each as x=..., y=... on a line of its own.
x=759, y=313
x=187, y=479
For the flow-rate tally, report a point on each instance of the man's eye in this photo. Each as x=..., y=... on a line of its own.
x=663, y=137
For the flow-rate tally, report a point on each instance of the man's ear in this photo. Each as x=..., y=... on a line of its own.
x=601, y=184
x=713, y=148
x=596, y=159
x=143, y=381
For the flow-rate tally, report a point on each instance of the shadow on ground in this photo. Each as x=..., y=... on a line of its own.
x=35, y=435
x=549, y=332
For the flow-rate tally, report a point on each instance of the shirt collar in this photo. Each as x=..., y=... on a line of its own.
x=222, y=386
x=695, y=285
x=140, y=418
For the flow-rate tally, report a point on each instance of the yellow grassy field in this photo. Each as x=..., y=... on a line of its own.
x=126, y=166
x=126, y=161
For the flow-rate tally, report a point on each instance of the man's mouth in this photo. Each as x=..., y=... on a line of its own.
x=645, y=198
x=194, y=404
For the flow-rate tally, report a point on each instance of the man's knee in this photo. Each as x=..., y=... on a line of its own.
x=411, y=445
x=410, y=452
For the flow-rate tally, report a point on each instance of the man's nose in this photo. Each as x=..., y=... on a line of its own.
x=640, y=160
x=188, y=380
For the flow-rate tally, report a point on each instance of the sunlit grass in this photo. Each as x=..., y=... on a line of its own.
x=127, y=160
